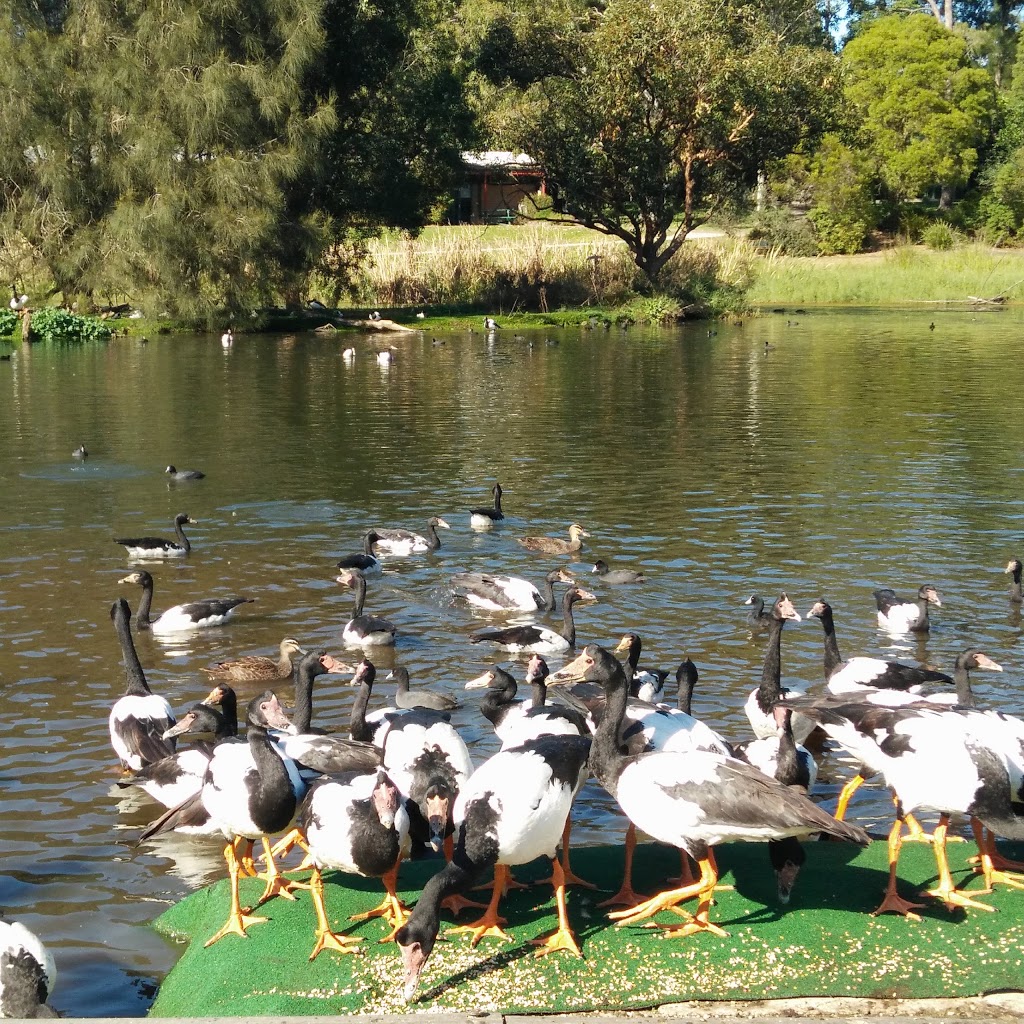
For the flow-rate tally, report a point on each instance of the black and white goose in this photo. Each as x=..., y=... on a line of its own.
x=538, y=639
x=508, y=593
x=27, y=973
x=358, y=825
x=863, y=675
x=369, y=727
x=952, y=762
x=406, y=542
x=512, y=809
x=158, y=547
x=693, y=801
x=172, y=780
x=897, y=615
x=252, y=792
x=644, y=683
x=485, y=518
x=366, y=561
x=140, y=718
x=364, y=630
x=429, y=762
x=180, y=618
x=1014, y=568
x=759, y=707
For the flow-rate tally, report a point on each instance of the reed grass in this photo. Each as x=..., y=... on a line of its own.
x=899, y=276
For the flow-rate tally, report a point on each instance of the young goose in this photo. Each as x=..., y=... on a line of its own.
x=157, y=547
x=508, y=593
x=899, y=616
x=255, y=668
x=693, y=800
x=407, y=699
x=184, y=474
x=859, y=675
x=365, y=561
x=485, y=518
x=616, y=577
x=538, y=639
x=364, y=630
x=140, y=718
x=555, y=545
x=405, y=542
x=27, y=973
x=212, y=611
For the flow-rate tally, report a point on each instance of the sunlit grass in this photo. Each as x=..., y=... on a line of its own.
x=903, y=275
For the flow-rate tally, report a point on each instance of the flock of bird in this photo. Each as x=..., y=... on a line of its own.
x=401, y=782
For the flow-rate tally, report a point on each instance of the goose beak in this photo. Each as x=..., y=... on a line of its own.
x=413, y=959
x=336, y=667
x=481, y=682
x=984, y=661
x=623, y=646
x=443, y=524
x=586, y=595
x=574, y=672
x=177, y=729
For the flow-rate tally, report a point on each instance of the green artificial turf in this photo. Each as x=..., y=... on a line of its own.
x=825, y=943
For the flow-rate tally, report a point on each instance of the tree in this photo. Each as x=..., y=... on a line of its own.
x=925, y=108
x=661, y=111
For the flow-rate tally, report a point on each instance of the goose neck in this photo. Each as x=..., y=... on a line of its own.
x=771, y=674
x=833, y=659
x=135, y=677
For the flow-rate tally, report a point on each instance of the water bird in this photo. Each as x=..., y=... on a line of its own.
x=184, y=474
x=508, y=593
x=80, y=452
x=348, y=354
x=693, y=801
x=490, y=324
x=420, y=315
x=364, y=630
x=406, y=542
x=157, y=547
x=901, y=616
x=407, y=698
x=227, y=339
x=1014, y=568
x=644, y=683
x=555, y=545
x=386, y=356
x=138, y=720
x=757, y=617
x=202, y=614
x=27, y=973
x=18, y=302
x=365, y=561
x=485, y=518
x=616, y=576
x=251, y=668
x=375, y=315
x=534, y=638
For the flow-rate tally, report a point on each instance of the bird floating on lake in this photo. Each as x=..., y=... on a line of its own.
x=490, y=324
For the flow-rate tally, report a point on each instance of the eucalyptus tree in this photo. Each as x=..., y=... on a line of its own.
x=659, y=111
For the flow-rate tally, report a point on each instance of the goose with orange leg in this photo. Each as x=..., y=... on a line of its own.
x=692, y=801
x=511, y=810
x=358, y=825
x=536, y=639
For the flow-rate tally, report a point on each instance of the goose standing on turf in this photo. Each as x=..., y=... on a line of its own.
x=212, y=611
x=184, y=474
x=27, y=973
x=405, y=542
x=538, y=639
x=485, y=518
x=759, y=705
x=859, y=675
x=1015, y=568
x=365, y=561
x=407, y=699
x=360, y=826
x=511, y=810
x=945, y=761
x=693, y=801
x=157, y=547
x=508, y=593
x=757, y=618
x=783, y=759
x=251, y=792
x=139, y=719
x=899, y=616
x=555, y=545
x=364, y=630
x=616, y=577
x=256, y=668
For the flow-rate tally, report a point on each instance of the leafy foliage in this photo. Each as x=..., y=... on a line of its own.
x=8, y=321
x=925, y=108
x=54, y=324
x=844, y=210
x=941, y=235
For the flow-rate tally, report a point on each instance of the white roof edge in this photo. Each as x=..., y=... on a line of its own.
x=498, y=158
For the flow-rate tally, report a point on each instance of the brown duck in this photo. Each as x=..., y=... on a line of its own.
x=555, y=545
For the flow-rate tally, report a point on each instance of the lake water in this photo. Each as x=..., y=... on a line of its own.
x=857, y=450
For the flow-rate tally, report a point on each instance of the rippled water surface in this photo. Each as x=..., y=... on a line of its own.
x=855, y=451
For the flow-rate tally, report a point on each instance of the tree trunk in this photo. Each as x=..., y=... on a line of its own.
x=946, y=196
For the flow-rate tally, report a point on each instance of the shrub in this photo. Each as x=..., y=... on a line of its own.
x=8, y=321
x=941, y=235
x=539, y=206
x=53, y=324
x=780, y=230
x=844, y=212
